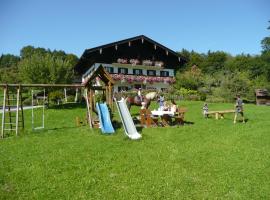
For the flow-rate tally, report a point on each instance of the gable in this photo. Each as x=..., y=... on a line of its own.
x=140, y=47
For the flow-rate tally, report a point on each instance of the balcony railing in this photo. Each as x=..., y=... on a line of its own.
x=143, y=79
x=134, y=61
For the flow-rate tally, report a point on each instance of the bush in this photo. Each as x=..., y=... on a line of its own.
x=214, y=99
x=99, y=97
x=27, y=101
x=70, y=98
x=56, y=96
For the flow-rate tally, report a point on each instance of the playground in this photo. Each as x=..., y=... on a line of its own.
x=105, y=148
x=208, y=159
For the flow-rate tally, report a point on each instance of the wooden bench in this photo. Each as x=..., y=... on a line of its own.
x=147, y=119
x=179, y=116
x=220, y=113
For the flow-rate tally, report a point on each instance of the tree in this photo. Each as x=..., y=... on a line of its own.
x=214, y=62
x=8, y=60
x=45, y=69
x=265, y=57
x=239, y=63
x=9, y=75
x=266, y=43
x=192, y=58
x=40, y=65
x=190, y=79
x=28, y=51
x=196, y=59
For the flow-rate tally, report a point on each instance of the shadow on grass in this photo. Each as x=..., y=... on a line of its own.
x=240, y=121
x=68, y=106
x=117, y=124
x=55, y=129
x=188, y=123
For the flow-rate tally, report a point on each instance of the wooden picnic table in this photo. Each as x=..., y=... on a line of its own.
x=162, y=112
x=168, y=116
x=164, y=115
x=151, y=118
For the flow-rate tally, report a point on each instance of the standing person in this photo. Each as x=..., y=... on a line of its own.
x=161, y=100
x=140, y=94
x=205, y=110
x=239, y=109
x=143, y=105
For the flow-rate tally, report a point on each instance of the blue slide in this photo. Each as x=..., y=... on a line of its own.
x=104, y=118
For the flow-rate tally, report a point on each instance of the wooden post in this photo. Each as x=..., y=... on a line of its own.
x=107, y=96
x=9, y=111
x=110, y=95
x=93, y=99
x=3, y=113
x=21, y=108
x=103, y=94
x=65, y=93
x=76, y=96
x=17, y=110
x=90, y=98
x=88, y=103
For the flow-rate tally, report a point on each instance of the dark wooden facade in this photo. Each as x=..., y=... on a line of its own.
x=262, y=97
x=140, y=47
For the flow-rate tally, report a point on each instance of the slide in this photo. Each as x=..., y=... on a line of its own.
x=104, y=118
x=127, y=121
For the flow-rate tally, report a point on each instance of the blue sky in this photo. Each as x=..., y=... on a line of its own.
x=234, y=26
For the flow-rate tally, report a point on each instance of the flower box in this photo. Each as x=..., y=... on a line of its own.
x=134, y=61
x=143, y=79
x=147, y=62
x=122, y=60
x=159, y=64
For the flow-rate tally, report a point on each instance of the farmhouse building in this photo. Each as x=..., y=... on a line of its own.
x=137, y=62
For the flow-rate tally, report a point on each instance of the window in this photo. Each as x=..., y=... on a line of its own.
x=109, y=69
x=122, y=70
x=164, y=73
x=151, y=72
x=137, y=86
x=164, y=89
x=137, y=71
x=122, y=88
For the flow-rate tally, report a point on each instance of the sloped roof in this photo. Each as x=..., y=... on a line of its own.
x=101, y=73
x=109, y=51
x=261, y=92
x=130, y=40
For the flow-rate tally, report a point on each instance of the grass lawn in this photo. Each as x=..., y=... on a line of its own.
x=209, y=159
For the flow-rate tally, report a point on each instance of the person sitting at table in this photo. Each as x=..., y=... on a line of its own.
x=173, y=106
x=166, y=106
x=161, y=100
x=166, y=118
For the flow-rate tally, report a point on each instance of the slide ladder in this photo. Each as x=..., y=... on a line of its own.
x=12, y=103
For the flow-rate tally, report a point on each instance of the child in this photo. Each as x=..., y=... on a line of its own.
x=239, y=109
x=205, y=110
